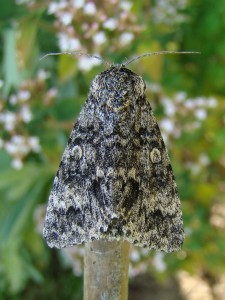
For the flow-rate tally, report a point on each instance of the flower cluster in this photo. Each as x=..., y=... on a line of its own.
x=93, y=26
x=181, y=107
x=15, y=116
x=183, y=115
x=169, y=12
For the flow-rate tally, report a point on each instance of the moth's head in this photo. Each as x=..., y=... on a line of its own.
x=118, y=83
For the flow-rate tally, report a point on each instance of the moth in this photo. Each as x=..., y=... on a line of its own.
x=115, y=180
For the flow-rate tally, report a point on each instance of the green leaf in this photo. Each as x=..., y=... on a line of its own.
x=20, y=211
x=67, y=109
x=10, y=67
x=10, y=11
x=66, y=67
x=26, y=42
x=12, y=264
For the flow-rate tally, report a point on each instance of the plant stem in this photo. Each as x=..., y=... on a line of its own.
x=106, y=270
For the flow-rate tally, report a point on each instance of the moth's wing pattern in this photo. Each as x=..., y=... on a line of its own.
x=156, y=214
x=76, y=210
x=115, y=179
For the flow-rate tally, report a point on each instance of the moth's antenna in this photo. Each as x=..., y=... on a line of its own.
x=78, y=54
x=157, y=53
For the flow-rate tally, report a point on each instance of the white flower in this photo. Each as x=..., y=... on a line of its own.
x=18, y=144
x=78, y=3
x=170, y=109
x=200, y=114
x=87, y=63
x=9, y=120
x=23, y=95
x=17, y=140
x=53, y=8
x=158, y=262
x=34, y=144
x=126, y=38
x=25, y=114
x=200, y=101
x=139, y=269
x=212, y=102
x=167, y=125
x=13, y=99
x=17, y=163
x=154, y=87
x=99, y=38
x=66, y=18
x=110, y=24
x=62, y=4
x=125, y=5
x=52, y=93
x=64, y=41
x=134, y=255
x=68, y=44
x=180, y=96
x=204, y=159
x=9, y=126
x=195, y=169
x=11, y=148
x=167, y=12
x=190, y=104
x=23, y=149
x=169, y=106
x=42, y=74
x=89, y=8
x=74, y=44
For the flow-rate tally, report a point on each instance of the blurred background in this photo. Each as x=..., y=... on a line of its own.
x=39, y=103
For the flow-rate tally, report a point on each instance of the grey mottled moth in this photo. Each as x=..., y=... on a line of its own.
x=115, y=180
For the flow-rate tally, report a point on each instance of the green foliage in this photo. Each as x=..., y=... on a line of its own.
x=10, y=63
x=41, y=99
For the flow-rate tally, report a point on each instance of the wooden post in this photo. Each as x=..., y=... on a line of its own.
x=106, y=270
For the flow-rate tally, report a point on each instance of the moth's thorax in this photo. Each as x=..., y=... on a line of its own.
x=118, y=84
